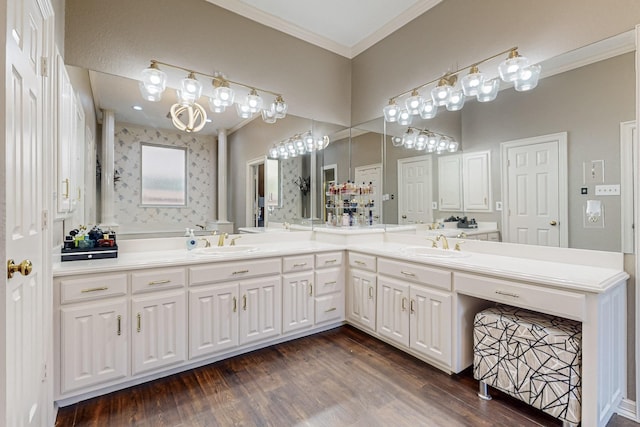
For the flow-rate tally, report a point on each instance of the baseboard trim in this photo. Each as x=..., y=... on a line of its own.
x=628, y=409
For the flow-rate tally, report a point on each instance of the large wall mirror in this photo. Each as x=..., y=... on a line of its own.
x=586, y=100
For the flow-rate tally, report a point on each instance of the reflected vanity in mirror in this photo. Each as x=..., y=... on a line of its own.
x=576, y=101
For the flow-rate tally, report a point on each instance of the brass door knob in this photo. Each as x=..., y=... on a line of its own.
x=554, y=223
x=23, y=268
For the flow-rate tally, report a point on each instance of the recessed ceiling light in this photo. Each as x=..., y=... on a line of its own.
x=137, y=107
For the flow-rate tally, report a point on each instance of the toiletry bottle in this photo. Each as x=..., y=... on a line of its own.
x=191, y=241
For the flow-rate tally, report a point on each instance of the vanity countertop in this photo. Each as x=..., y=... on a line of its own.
x=554, y=267
x=556, y=274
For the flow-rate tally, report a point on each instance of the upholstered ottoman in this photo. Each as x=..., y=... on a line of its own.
x=533, y=357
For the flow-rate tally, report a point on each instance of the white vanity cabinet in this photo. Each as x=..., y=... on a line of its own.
x=329, y=287
x=159, y=318
x=93, y=339
x=297, y=293
x=476, y=181
x=450, y=182
x=361, y=293
x=233, y=303
x=414, y=308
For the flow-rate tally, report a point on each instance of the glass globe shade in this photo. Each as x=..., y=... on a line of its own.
x=510, y=68
x=414, y=103
x=440, y=94
x=429, y=110
x=528, y=78
x=488, y=90
x=456, y=100
x=404, y=118
x=225, y=95
x=391, y=112
x=471, y=82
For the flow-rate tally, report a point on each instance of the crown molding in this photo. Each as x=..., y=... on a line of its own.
x=301, y=33
x=595, y=52
x=395, y=24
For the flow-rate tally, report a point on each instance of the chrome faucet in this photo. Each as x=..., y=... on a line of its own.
x=221, y=239
x=233, y=241
x=207, y=243
x=445, y=243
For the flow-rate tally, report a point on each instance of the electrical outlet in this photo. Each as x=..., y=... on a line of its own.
x=608, y=190
x=434, y=205
x=498, y=206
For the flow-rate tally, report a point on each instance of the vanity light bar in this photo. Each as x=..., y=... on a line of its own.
x=515, y=69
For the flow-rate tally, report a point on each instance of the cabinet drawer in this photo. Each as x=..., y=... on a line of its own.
x=329, y=307
x=329, y=259
x=220, y=272
x=561, y=303
x=92, y=287
x=297, y=263
x=362, y=261
x=329, y=280
x=160, y=278
x=433, y=277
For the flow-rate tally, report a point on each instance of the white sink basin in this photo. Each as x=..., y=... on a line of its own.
x=223, y=250
x=429, y=252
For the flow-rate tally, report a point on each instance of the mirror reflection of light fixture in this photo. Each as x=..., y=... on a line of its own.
x=154, y=81
x=425, y=139
x=298, y=144
x=515, y=69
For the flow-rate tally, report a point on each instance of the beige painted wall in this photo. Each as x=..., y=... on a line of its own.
x=460, y=32
x=121, y=36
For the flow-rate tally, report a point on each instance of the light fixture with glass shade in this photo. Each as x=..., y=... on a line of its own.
x=425, y=139
x=514, y=69
x=153, y=83
x=298, y=145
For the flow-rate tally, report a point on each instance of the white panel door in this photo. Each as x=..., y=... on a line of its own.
x=297, y=301
x=372, y=174
x=158, y=331
x=261, y=313
x=213, y=319
x=27, y=299
x=393, y=310
x=362, y=299
x=430, y=323
x=94, y=347
x=414, y=190
x=532, y=186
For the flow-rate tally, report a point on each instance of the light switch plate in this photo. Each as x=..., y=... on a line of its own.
x=498, y=206
x=434, y=205
x=608, y=190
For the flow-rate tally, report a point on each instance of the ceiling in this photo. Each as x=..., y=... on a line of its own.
x=345, y=27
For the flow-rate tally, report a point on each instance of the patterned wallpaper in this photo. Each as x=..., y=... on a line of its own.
x=201, y=169
x=290, y=170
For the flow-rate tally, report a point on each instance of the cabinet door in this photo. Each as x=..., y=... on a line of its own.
x=450, y=182
x=393, y=310
x=430, y=323
x=64, y=123
x=213, y=319
x=261, y=313
x=297, y=301
x=476, y=181
x=362, y=299
x=93, y=344
x=158, y=330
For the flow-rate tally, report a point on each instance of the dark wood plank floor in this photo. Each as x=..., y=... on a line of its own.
x=341, y=377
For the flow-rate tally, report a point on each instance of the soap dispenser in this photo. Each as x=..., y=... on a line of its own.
x=191, y=241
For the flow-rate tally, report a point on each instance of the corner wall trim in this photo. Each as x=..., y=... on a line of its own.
x=627, y=409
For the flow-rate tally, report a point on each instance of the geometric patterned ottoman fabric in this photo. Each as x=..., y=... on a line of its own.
x=534, y=357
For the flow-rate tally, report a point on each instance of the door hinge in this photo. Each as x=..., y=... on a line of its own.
x=44, y=66
x=45, y=219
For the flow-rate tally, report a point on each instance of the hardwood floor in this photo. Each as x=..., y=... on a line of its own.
x=341, y=377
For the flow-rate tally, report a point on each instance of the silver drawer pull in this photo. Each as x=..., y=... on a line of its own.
x=408, y=273
x=329, y=261
x=330, y=283
x=330, y=309
x=507, y=294
x=360, y=262
x=302, y=264
x=240, y=272
x=104, y=288
x=159, y=282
